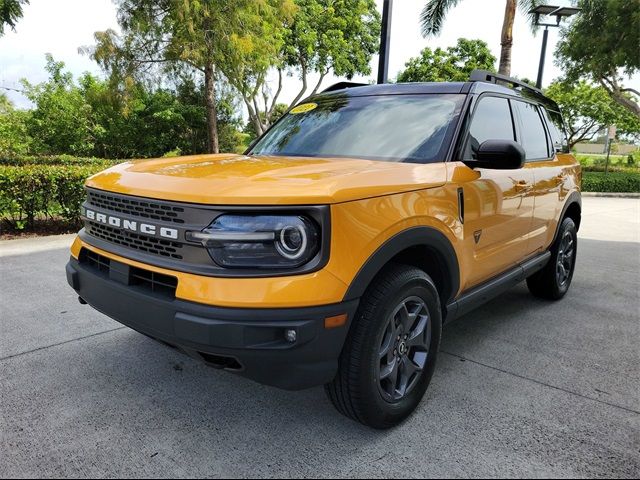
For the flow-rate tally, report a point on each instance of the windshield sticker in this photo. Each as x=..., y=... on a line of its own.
x=304, y=108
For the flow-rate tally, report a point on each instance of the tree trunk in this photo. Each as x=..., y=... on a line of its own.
x=212, y=113
x=626, y=102
x=254, y=116
x=507, y=38
x=303, y=90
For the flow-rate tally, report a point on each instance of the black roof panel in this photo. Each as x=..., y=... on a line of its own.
x=398, y=88
x=477, y=87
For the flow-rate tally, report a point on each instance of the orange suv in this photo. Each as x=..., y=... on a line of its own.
x=333, y=251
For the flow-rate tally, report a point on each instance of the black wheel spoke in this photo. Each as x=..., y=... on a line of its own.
x=406, y=317
x=417, y=335
x=390, y=371
x=404, y=348
x=386, y=349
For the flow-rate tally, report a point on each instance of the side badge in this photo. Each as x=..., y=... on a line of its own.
x=476, y=235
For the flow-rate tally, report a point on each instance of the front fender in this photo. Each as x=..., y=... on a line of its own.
x=435, y=241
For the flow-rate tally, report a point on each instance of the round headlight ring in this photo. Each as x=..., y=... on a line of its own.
x=286, y=250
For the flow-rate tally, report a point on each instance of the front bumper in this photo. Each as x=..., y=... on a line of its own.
x=250, y=342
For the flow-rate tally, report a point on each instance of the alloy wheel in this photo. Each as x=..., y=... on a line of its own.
x=404, y=349
x=564, y=263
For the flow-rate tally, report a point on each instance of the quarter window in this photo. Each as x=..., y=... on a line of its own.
x=491, y=121
x=534, y=136
x=556, y=130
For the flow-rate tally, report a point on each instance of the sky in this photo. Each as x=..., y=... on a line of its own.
x=60, y=27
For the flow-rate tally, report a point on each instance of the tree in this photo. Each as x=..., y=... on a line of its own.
x=5, y=104
x=14, y=138
x=61, y=121
x=322, y=36
x=152, y=122
x=587, y=109
x=207, y=36
x=339, y=35
x=10, y=13
x=278, y=111
x=602, y=44
x=435, y=11
x=454, y=64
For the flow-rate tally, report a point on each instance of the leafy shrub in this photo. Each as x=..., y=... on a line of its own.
x=600, y=162
x=56, y=160
x=614, y=168
x=42, y=190
x=622, y=182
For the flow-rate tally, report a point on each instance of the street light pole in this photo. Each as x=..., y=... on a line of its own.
x=552, y=11
x=543, y=54
x=385, y=42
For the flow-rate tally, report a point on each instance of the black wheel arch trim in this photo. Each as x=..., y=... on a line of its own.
x=427, y=237
x=574, y=198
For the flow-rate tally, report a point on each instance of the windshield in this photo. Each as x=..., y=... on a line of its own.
x=414, y=128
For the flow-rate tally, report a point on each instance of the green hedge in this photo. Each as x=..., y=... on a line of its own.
x=57, y=160
x=31, y=191
x=621, y=182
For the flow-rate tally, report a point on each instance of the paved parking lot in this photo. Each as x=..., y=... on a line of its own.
x=523, y=387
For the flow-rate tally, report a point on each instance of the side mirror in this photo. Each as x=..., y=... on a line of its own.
x=499, y=155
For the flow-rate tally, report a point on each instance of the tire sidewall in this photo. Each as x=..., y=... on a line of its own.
x=568, y=225
x=394, y=412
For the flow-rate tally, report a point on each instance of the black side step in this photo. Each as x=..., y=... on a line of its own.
x=473, y=298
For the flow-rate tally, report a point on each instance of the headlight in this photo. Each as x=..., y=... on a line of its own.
x=260, y=241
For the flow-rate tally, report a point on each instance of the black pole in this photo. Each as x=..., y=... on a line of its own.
x=609, y=142
x=385, y=42
x=543, y=54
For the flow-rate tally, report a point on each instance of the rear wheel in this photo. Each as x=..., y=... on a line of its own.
x=554, y=280
x=390, y=354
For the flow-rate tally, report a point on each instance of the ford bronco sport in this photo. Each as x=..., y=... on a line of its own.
x=333, y=251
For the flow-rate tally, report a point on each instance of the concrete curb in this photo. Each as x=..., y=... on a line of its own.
x=23, y=246
x=611, y=194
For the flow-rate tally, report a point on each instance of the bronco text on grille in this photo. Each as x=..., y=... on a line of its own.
x=149, y=230
x=149, y=227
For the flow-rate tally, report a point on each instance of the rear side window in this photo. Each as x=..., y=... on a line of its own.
x=533, y=135
x=556, y=130
x=491, y=121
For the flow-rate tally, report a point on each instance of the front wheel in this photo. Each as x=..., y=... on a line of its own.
x=553, y=281
x=390, y=354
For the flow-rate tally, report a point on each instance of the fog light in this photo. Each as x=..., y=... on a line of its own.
x=291, y=335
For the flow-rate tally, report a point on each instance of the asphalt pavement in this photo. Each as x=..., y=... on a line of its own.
x=523, y=387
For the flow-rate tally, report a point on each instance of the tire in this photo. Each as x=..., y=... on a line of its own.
x=554, y=280
x=400, y=296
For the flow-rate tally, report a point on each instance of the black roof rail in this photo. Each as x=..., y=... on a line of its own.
x=343, y=85
x=486, y=76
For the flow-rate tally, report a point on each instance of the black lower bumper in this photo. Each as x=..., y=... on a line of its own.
x=250, y=342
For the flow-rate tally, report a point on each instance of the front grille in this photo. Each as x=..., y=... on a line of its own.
x=156, y=283
x=156, y=246
x=136, y=207
x=112, y=224
x=95, y=261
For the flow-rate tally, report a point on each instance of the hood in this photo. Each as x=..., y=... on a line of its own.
x=265, y=180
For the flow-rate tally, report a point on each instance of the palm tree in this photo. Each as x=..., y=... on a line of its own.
x=434, y=12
